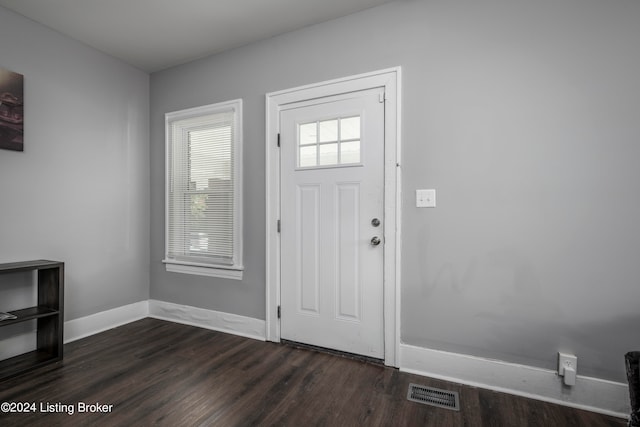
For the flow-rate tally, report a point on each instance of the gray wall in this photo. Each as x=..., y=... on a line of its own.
x=79, y=192
x=525, y=116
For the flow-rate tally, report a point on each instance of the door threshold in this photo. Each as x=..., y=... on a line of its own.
x=352, y=356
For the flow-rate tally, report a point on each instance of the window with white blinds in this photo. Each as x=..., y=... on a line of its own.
x=203, y=195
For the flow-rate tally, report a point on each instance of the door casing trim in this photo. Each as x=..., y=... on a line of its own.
x=390, y=79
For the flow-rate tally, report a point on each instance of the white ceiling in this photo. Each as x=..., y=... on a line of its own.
x=156, y=34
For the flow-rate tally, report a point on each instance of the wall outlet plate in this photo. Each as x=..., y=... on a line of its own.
x=426, y=198
x=566, y=360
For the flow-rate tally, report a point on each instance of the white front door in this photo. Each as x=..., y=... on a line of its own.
x=332, y=222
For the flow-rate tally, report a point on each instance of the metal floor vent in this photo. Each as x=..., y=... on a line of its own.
x=434, y=397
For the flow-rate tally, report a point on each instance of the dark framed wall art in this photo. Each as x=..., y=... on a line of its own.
x=11, y=110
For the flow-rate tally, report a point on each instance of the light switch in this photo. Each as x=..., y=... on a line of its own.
x=425, y=198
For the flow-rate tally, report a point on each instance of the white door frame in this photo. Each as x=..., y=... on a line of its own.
x=390, y=79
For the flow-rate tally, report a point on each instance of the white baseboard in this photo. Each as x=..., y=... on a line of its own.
x=218, y=321
x=89, y=325
x=592, y=394
x=224, y=322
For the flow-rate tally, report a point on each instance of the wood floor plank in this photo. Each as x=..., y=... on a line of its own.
x=161, y=373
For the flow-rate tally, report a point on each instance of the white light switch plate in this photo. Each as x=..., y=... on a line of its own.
x=425, y=198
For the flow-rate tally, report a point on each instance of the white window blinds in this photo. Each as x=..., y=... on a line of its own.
x=203, y=191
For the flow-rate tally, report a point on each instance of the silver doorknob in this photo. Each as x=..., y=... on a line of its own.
x=375, y=240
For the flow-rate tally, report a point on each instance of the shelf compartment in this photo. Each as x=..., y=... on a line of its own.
x=29, y=314
x=48, y=315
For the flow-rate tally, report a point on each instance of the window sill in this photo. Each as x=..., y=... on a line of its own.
x=234, y=273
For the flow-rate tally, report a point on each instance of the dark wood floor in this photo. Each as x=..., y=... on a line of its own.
x=160, y=373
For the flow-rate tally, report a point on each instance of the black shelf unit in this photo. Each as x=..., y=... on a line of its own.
x=48, y=314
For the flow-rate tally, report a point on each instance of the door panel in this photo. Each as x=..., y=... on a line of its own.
x=332, y=183
x=308, y=248
x=347, y=254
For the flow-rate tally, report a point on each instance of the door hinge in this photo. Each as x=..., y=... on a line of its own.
x=278, y=140
x=278, y=226
x=381, y=98
x=279, y=312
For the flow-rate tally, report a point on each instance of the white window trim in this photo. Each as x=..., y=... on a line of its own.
x=203, y=270
x=234, y=271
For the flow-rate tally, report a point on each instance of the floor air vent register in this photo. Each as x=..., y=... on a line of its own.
x=434, y=397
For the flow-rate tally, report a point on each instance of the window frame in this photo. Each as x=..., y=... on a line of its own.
x=339, y=141
x=236, y=268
